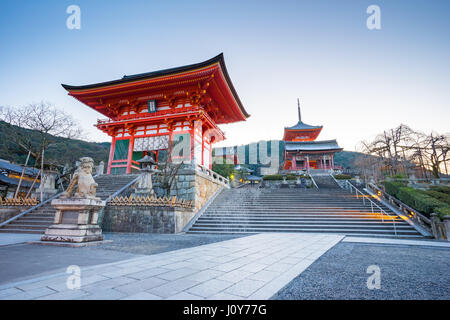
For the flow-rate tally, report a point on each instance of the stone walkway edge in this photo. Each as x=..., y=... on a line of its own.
x=427, y=243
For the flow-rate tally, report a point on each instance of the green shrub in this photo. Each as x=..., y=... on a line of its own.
x=443, y=189
x=393, y=188
x=280, y=177
x=419, y=200
x=399, y=176
x=439, y=195
x=273, y=177
x=342, y=176
x=442, y=211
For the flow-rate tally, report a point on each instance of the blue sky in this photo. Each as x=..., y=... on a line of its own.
x=354, y=81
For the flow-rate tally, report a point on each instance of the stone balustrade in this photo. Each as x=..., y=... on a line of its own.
x=214, y=175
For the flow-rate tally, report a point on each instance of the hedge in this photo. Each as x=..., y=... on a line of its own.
x=280, y=177
x=439, y=195
x=342, y=176
x=442, y=211
x=393, y=188
x=442, y=189
x=421, y=201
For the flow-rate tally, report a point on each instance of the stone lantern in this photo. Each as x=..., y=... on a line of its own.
x=148, y=168
x=284, y=183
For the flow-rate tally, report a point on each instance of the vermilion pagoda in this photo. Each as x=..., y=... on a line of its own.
x=302, y=152
x=151, y=112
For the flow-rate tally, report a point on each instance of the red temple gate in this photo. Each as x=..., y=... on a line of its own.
x=177, y=109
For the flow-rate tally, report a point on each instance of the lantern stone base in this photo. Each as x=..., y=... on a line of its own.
x=75, y=221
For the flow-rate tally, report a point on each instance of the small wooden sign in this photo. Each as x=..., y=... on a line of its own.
x=151, y=104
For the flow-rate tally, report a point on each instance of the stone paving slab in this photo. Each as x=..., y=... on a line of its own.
x=253, y=267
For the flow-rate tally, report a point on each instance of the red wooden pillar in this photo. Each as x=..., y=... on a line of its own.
x=210, y=155
x=111, y=154
x=203, y=147
x=192, y=141
x=130, y=154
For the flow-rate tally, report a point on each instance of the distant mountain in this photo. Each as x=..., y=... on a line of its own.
x=65, y=150
x=347, y=159
x=62, y=150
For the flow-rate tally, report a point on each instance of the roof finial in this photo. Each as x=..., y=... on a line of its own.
x=299, y=114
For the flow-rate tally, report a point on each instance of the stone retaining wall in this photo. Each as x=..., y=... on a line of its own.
x=142, y=219
x=197, y=184
x=9, y=212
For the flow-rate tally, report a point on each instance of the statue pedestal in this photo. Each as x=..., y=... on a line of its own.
x=75, y=221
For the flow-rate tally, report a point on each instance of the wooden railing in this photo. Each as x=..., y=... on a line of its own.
x=19, y=201
x=150, y=201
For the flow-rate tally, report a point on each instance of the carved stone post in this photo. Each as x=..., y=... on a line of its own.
x=435, y=226
x=446, y=220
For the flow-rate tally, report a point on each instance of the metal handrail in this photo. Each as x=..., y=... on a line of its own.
x=312, y=179
x=371, y=204
x=335, y=180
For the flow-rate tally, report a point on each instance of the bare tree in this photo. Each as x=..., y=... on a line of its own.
x=436, y=147
x=405, y=150
x=43, y=118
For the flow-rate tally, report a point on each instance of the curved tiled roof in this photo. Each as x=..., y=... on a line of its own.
x=8, y=166
x=312, y=145
x=302, y=126
x=166, y=72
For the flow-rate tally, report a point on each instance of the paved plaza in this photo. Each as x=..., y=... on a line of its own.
x=253, y=267
x=195, y=267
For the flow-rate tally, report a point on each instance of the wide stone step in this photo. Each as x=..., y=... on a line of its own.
x=26, y=226
x=3, y=230
x=328, y=220
x=302, y=229
x=361, y=234
x=295, y=210
x=349, y=222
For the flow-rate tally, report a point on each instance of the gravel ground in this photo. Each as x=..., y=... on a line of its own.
x=24, y=261
x=151, y=243
x=406, y=273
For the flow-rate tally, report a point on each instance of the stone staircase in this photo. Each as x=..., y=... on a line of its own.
x=325, y=182
x=38, y=220
x=327, y=210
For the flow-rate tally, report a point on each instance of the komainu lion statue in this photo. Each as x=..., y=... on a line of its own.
x=82, y=180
